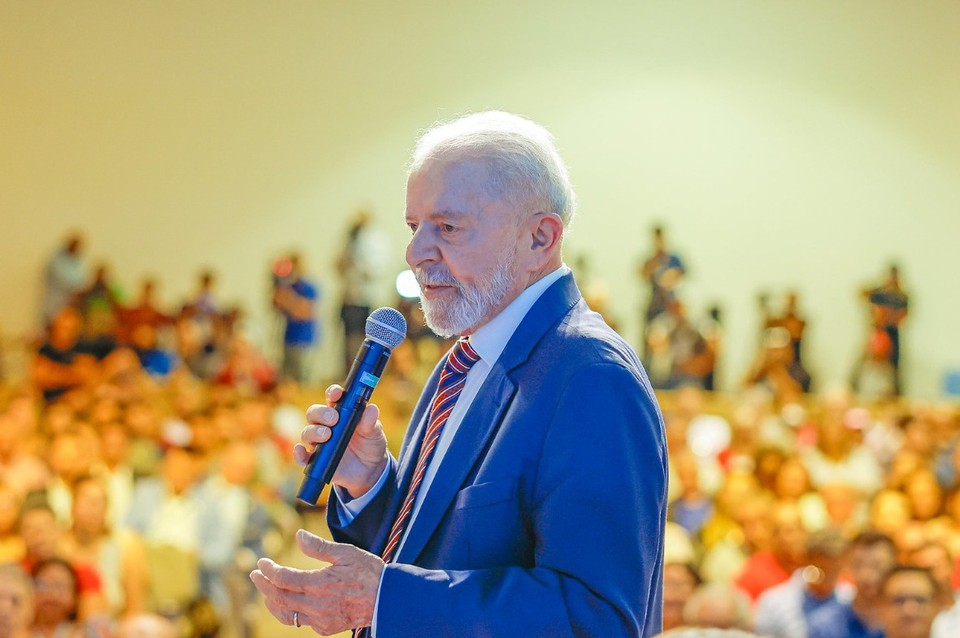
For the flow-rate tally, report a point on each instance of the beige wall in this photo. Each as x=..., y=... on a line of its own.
x=783, y=144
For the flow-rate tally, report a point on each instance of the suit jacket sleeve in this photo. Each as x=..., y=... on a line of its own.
x=365, y=529
x=596, y=507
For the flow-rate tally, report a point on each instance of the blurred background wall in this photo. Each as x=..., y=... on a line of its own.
x=782, y=145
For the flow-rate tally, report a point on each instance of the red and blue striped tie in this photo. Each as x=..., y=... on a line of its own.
x=452, y=378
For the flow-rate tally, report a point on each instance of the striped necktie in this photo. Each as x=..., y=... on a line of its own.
x=452, y=378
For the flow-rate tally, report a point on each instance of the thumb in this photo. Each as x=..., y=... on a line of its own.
x=319, y=548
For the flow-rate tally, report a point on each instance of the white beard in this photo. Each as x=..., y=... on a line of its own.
x=473, y=303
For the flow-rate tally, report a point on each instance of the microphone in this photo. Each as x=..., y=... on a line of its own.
x=385, y=329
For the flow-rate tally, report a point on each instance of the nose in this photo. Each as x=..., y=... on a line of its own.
x=422, y=247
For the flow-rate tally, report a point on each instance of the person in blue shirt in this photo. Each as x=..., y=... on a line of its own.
x=295, y=298
x=870, y=556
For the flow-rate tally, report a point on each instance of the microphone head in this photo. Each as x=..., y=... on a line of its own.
x=387, y=327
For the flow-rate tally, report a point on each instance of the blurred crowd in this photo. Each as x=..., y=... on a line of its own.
x=790, y=518
x=145, y=464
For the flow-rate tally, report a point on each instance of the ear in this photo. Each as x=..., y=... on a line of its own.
x=546, y=233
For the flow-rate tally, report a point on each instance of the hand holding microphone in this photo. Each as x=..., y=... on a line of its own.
x=348, y=444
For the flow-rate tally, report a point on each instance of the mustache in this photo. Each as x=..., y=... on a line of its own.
x=436, y=276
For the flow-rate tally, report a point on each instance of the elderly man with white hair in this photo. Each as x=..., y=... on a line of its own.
x=529, y=496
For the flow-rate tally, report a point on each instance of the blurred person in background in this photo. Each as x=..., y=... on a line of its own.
x=784, y=611
x=888, y=308
x=174, y=511
x=909, y=602
x=718, y=606
x=924, y=494
x=16, y=602
x=725, y=557
x=245, y=368
x=767, y=568
x=662, y=271
x=296, y=298
x=72, y=455
x=118, y=554
x=793, y=322
x=936, y=558
x=868, y=559
x=146, y=626
x=693, y=508
x=20, y=470
x=680, y=580
x=11, y=543
x=358, y=266
x=98, y=304
x=771, y=370
x=59, y=365
x=64, y=276
x=838, y=457
x=115, y=471
x=146, y=312
x=56, y=600
x=42, y=539
x=792, y=484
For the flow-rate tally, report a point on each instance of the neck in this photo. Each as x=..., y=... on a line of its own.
x=867, y=610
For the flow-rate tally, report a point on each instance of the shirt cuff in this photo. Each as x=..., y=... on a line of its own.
x=349, y=508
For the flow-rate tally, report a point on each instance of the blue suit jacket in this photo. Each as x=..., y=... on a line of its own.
x=546, y=516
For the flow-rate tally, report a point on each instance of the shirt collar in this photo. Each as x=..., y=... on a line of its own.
x=491, y=338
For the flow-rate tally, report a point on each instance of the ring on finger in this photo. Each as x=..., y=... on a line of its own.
x=296, y=619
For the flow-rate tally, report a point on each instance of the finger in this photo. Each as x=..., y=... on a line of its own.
x=283, y=580
x=321, y=549
x=322, y=415
x=333, y=394
x=313, y=434
x=301, y=454
x=368, y=425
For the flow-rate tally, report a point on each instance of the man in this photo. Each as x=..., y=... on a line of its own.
x=889, y=306
x=663, y=271
x=64, y=276
x=909, y=602
x=295, y=298
x=870, y=556
x=767, y=568
x=784, y=611
x=936, y=558
x=542, y=511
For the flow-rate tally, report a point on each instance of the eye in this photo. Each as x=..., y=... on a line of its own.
x=412, y=226
x=448, y=228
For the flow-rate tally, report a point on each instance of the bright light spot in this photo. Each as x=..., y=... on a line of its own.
x=407, y=286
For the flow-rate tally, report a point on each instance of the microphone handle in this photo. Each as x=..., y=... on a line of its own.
x=364, y=375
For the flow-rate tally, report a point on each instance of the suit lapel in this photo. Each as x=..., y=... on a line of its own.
x=484, y=415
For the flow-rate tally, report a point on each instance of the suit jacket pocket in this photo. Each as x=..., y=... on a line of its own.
x=483, y=494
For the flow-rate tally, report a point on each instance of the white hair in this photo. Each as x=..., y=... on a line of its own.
x=522, y=156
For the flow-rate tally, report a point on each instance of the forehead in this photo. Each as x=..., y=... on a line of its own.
x=908, y=582
x=453, y=186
